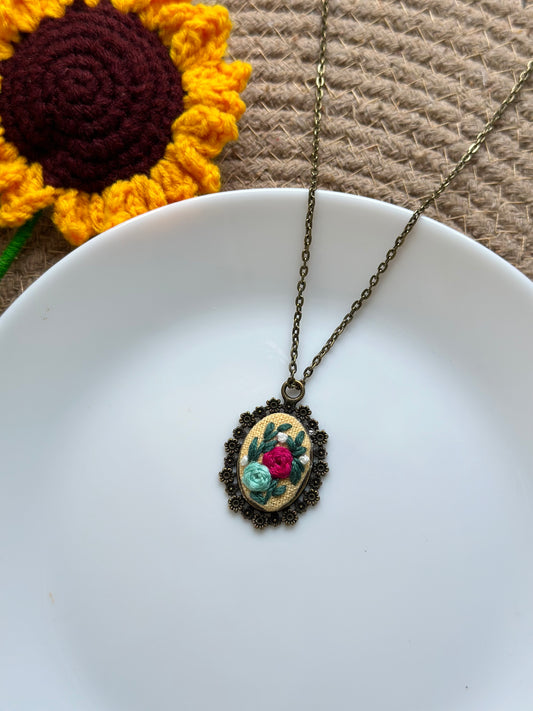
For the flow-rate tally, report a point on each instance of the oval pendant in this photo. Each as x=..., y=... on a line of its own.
x=275, y=464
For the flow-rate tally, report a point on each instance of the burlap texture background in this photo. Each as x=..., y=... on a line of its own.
x=410, y=84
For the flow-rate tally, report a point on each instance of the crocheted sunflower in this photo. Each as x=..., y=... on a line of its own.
x=110, y=108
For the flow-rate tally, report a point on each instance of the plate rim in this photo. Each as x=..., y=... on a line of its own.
x=484, y=255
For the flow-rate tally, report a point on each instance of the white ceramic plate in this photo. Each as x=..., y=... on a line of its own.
x=126, y=584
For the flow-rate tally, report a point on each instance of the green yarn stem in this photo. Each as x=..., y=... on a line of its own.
x=18, y=241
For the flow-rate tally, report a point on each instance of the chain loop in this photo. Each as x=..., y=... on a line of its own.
x=320, y=83
x=292, y=391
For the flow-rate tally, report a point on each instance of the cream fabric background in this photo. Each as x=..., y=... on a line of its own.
x=278, y=418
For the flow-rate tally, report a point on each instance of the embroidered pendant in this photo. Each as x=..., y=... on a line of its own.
x=275, y=464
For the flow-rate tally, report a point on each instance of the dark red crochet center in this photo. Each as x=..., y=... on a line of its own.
x=91, y=96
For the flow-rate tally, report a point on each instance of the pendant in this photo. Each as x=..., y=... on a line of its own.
x=275, y=464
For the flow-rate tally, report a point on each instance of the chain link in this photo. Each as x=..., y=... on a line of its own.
x=320, y=84
x=306, y=253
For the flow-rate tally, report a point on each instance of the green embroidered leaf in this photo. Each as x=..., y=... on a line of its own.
x=290, y=442
x=298, y=465
x=295, y=478
x=259, y=498
x=298, y=451
x=269, y=429
x=299, y=438
x=284, y=427
x=296, y=472
x=272, y=486
x=279, y=491
x=253, y=451
x=268, y=493
x=267, y=446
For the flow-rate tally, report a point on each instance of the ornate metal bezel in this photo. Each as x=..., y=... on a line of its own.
x=308, y=496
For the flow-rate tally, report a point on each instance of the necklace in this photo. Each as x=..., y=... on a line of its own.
x=276, y=459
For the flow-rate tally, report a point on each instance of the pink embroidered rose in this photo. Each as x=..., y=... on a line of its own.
x=279, y=462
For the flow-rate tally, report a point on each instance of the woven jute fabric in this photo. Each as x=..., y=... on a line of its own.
x=409, y=85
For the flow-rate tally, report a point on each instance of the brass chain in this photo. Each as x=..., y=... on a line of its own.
x=293, y=389
x=306, y=253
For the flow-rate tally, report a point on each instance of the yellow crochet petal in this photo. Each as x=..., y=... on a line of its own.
x=171, y=18
x=25, y=15
x=72, y=215
x=174, y=181
x=128, y=198
x=150, y=15
x=223, y=76
x=96, y=209
x=54, y=8
x=130, y=5
x=8, y=152
x=19, y=16
x=6, y=50
x=190, y=158
x=227, y=101
x=215, y=128
x=22, y=192
x=8, y=26
x=217, y=86
x=200, y=39
x=78, y=215
x=12, y=173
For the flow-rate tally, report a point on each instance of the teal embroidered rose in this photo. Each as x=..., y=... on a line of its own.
x=256, y=477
